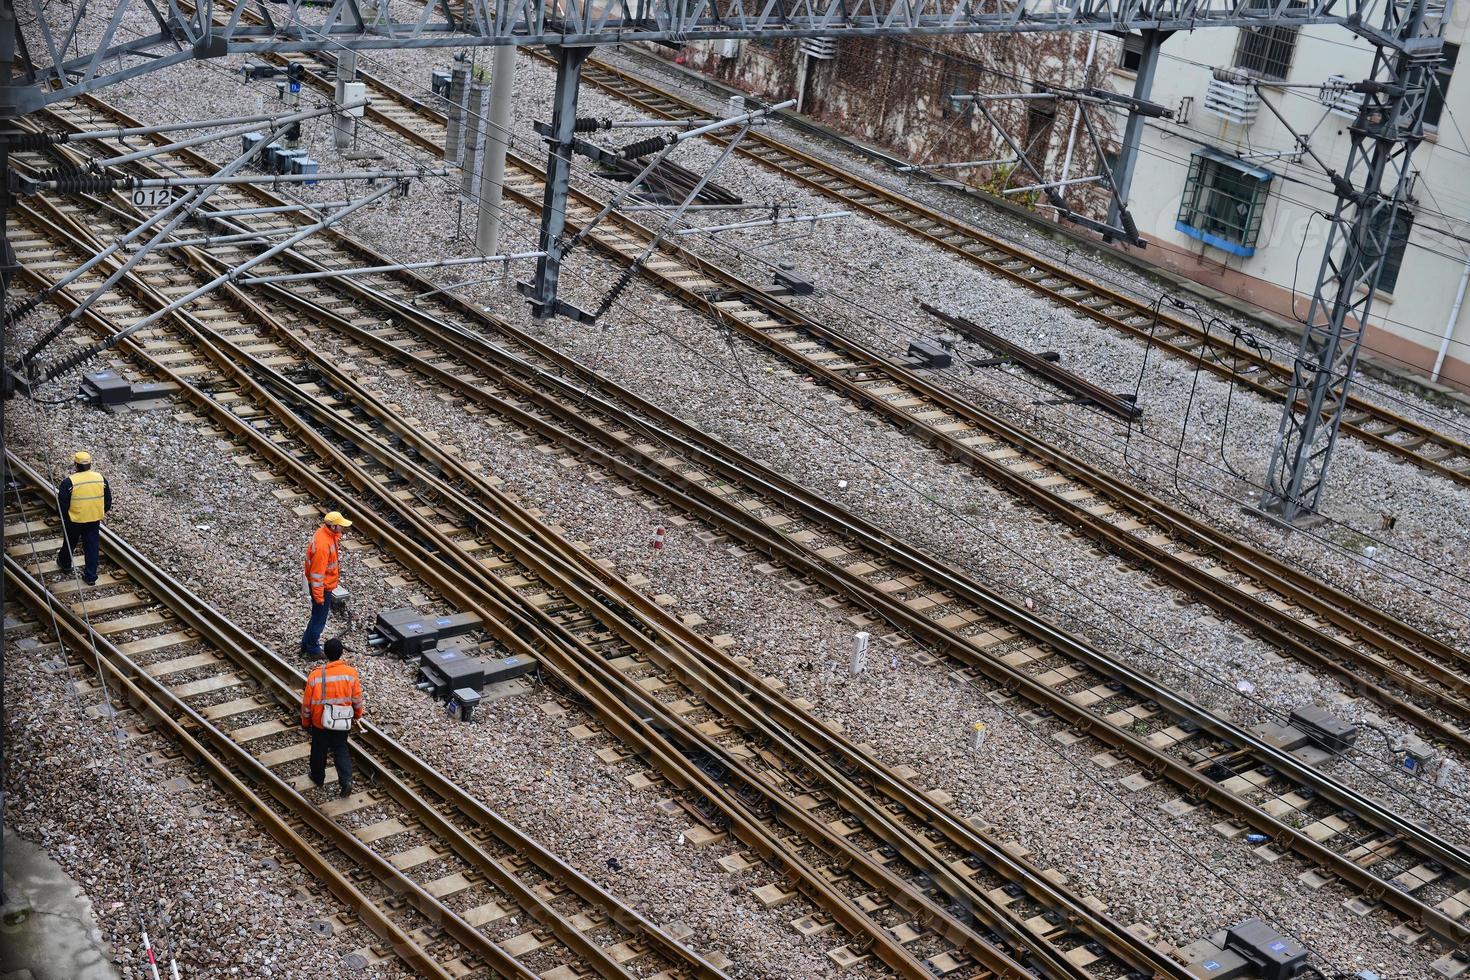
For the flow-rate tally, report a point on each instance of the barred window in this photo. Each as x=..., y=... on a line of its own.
x=1403, y=222
x=1223, y=201
x=1266, y=52
x=1439, y=85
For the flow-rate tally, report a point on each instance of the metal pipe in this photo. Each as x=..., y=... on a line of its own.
x=909, y=168
x=1449, y=326
x=656, y=123
x=218, y=181
x=745, y=118
x=701, y=207
x=116, y=134
x=988, y=97
x=1053, y=183
x=276, y=123
x=278, y=209
x=66, y=363
x=401, y=267
x=1077, y=115
x=244, y=236
x=764, y=222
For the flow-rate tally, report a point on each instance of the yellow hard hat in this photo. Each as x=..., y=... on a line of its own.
x=82, y=457
x=336, y=519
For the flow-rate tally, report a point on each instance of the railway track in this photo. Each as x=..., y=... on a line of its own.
x=1408, y=672
x=1375, y=425
x=440, y=880
x=869, y=848
x=1220, y=771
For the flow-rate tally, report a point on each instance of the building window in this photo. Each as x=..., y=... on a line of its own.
x=1132, y=52
x=1266, y=52
x=1439, y=85
x=1403, y=223
x=1223, y=201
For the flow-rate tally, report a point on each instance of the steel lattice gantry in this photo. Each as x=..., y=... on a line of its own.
x=211, y=32
x=1387, y=129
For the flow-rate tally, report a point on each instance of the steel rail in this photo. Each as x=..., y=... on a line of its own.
x=130, y=681
x=543, y=911
x=1341, y=610
x=936, y=868
x=693, y=671
x=1320, y=598
x=1075, y=292
x=283, y=683
x=1365, y=880
x=235, y=756
x=585, y=676
x=1344, y=612
x=696, y=499
x=732, y=703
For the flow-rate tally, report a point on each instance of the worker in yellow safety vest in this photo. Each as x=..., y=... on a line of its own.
x=82, y=499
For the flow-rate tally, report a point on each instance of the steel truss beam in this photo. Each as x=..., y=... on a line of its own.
x=1388, y=127
x=212, y=32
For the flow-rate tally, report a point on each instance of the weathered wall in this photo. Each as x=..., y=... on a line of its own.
x=895, y=93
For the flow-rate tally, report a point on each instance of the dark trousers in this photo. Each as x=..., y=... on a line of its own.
x=311, y=640
x=89, y=536
x=323, y=739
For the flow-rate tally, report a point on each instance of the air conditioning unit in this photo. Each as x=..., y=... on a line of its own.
x=1232, y=101
x=821, y=48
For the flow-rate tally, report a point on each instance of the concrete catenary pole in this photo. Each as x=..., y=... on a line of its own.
x=474, y=137
x=459, y=83
x=497, y=144
x=345, y=124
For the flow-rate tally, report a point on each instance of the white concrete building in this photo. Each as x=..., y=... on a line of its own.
x=1226, y=198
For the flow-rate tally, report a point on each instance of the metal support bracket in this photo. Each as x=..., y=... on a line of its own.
x=542, y=290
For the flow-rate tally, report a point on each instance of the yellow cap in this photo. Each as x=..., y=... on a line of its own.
x=82, y=457
x=336, y=519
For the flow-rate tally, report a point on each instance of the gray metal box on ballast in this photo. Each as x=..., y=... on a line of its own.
x=1278, y=957
x=409, y=632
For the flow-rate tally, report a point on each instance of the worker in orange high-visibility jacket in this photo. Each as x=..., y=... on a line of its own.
x=323, y=573
x=82, y=499
x=330, y=703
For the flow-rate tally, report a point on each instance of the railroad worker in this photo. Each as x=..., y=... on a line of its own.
x=330, y=703
x=82, y=499
x=322, y=576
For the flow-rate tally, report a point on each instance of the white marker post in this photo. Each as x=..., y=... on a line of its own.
x=859, y=662
x=978, y=732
